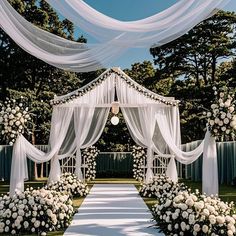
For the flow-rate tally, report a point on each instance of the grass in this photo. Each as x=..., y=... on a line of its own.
x=227, y=192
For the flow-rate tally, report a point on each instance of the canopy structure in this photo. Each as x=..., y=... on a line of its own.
x=79, y=118
x=114, y=37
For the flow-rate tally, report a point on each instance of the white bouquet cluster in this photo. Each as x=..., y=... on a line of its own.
x=89, y=156
x=194, y=214
x=14, y=117
x=69, y=184
x=162, y=187
x=222, y=117
x=35, y=211
x=139, y=157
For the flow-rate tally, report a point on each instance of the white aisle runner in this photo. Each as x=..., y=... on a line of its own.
x=113, y=210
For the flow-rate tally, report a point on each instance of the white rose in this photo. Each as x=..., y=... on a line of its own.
x=208, y=114
x=222, y=94
x=213, y=106
x=226, y=121
x=227, y=103
x=220, y=219
x=13, y=111
x=205, y=229
x=196, y=228
x=212, y=122
x=231, y=109
x=223, y=128
x=217, y=120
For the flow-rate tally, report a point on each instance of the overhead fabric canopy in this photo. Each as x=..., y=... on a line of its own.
x=79, y=118
x=114, y=36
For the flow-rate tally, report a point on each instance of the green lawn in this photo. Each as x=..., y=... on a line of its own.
x=227, y=192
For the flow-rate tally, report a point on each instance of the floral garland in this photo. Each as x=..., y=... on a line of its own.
x=69, y=184
x=89, y=156
x=222, y=117
x=82, y=91
x=14, y=117
x=35, y=211
x=139, y=156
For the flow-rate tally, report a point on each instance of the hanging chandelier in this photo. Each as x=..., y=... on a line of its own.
x=115, y=111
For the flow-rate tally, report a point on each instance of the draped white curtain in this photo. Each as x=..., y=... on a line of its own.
x=78, y=124
x=73, y=126
x=141, y=122
x=207, y=147
x=115, y=36
x=22, y=149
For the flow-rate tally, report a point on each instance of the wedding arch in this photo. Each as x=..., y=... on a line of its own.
x=78, y=120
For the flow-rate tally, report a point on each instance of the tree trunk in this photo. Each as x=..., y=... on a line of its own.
x=213, y=69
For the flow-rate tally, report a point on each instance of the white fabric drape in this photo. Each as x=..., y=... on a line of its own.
x=73, y=126
x=141, y=122
x=23, y=149
x=207, y=147
x=210, y=183
x=115, y=36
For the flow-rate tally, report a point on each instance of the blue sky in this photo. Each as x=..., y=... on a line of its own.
x=133, y=10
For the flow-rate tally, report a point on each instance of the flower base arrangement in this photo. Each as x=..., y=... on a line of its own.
x=139, y=157
x=14, y=118
x=195, y=214
x=35, y=211
x=161, y=187
x=181, y=212
x=222, y=117
x=89, y=156
x=69, y=184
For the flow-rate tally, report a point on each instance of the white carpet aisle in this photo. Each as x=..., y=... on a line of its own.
x=112, y=210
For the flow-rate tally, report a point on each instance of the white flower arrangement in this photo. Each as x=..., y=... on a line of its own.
x=222, y=117
x=89, y=156
x=139, y=157
x=161, y=187
x=14, y=117
x=181, y=212
x=69, y=184
x=195, y=214
x=35, y=211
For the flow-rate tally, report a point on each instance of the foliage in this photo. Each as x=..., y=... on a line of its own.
x=139, y=156
x=197, y=53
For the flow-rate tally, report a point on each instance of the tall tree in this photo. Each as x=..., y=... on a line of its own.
x=197, y=53
x=28, y=75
